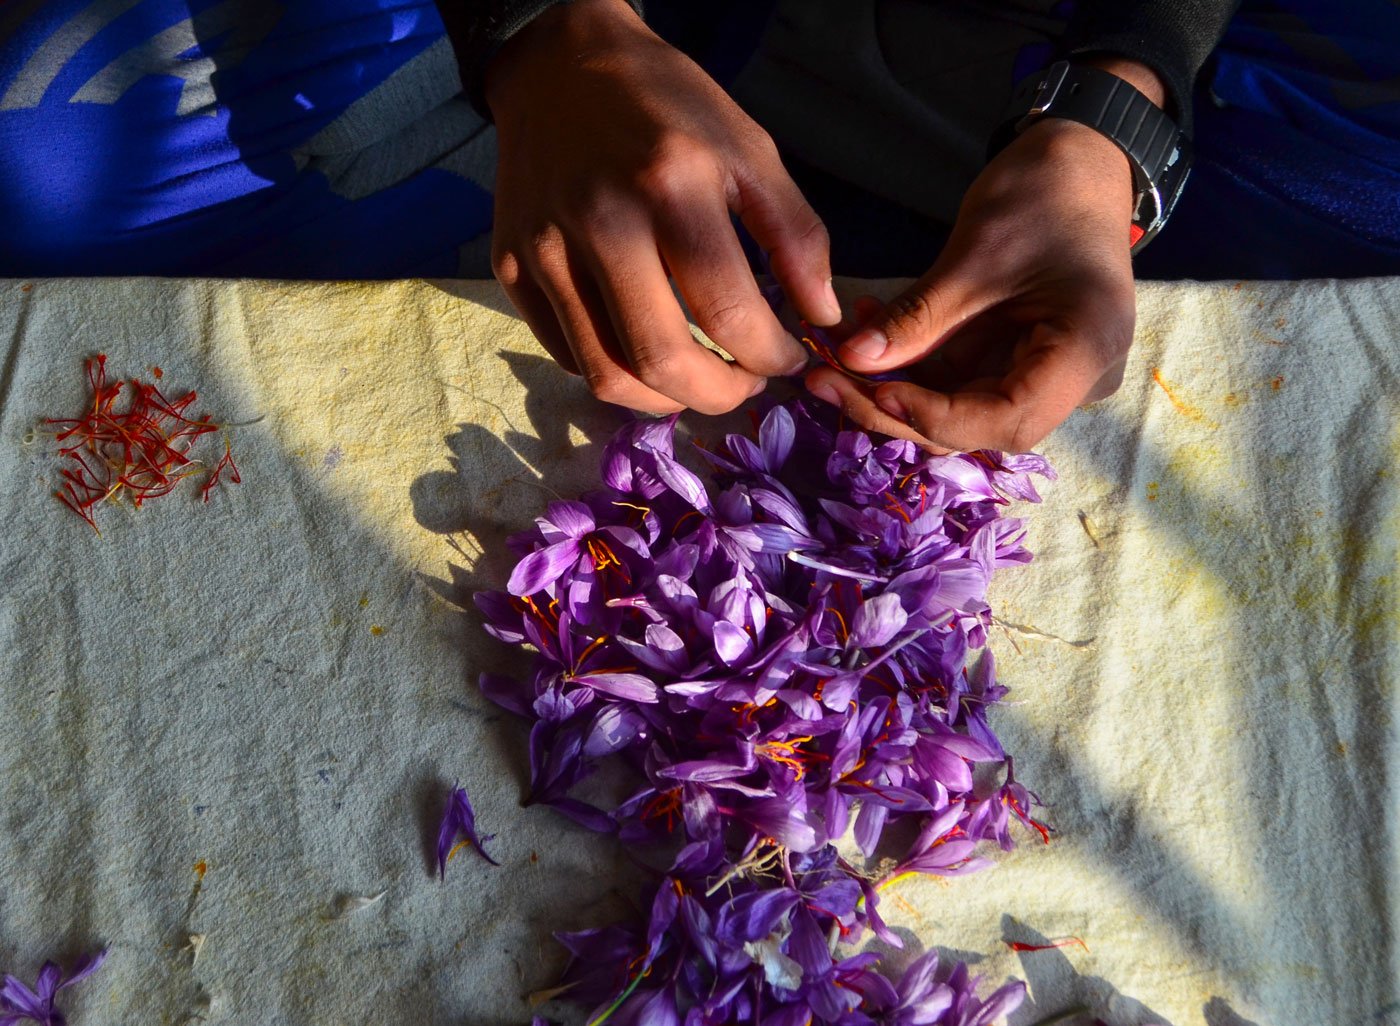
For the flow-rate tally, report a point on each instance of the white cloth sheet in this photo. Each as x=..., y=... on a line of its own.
x=227, y=722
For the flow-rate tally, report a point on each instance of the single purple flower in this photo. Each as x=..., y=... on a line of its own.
x=459, y=820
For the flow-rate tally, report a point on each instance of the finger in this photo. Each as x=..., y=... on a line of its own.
x=1051, y=377
x=856, y=402
x=781, y=221
x=708, y=265
x=583, y=316
x=653, y=332
x=918, y=320
x=864, y=310
x=867, y=308
x=536, y=311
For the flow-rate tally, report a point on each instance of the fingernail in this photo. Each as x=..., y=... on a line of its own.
x=758, y=386
x=801, y=364
x=825, y=393
x=868, y=344
x=831, y=306
x=891, y=405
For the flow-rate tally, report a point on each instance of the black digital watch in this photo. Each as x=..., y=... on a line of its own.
x=1156, y=148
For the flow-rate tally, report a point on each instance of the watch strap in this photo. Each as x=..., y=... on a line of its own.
x=1157, y=151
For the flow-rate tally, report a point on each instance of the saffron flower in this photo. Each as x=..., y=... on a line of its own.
x=458, y=830
x=785, y=655
x=18, y=1003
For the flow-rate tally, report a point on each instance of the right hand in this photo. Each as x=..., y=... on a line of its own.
x=620, y=163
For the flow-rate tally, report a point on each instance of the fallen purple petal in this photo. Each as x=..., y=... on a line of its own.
x=459, y=829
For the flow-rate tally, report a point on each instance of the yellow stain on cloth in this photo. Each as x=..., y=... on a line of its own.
x=1182, y=407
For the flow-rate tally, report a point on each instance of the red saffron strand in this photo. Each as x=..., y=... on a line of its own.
x=142, y=450
x=1063, y=942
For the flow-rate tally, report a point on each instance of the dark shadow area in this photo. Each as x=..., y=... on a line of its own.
x=470, y=290
x=1056, y=991
x=1219, y=1013
x=496, y=485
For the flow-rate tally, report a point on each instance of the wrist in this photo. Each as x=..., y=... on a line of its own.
x=1119, y=101
x=1083, y=164
x=568, y=34
x=1081, y=146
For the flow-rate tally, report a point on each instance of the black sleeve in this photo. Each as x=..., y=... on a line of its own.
x=479, y=28
x=1172, y=37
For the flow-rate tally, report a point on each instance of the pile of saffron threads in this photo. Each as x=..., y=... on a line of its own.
x=140, y=451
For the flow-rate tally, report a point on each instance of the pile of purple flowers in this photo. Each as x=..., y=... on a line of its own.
x=778, y=655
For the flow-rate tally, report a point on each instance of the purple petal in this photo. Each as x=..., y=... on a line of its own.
x=503, y=620
x=755, y=915
x=837, y=812
x=967, y=747
x=679, y=561
x=877, y=621
x=775, y=438
x=663, y=914
x=870, y=824
x=780, y=506
x=85, y=967
x=872, y=913
x=962, y=584
x=565, y=521
x=706, y=770
x=47, y=984
x=797, y=1013
x=506, y=692
x=777, y=819
x=1003, y=1001
x=682, y=482
x=18, y=996
x=542, y=567
x=655, y=1009
x=747, y=453
x=807, y=945
x=699, y=930
x=585, y=815
x=613, y=729
x=630, y=686
x=803, y=705
x=458, y=820
x=948, y=855
x=967, y=476
x=732, y=644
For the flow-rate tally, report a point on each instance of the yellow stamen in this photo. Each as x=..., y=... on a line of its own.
x=786, y=753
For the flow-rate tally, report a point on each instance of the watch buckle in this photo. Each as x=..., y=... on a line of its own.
x=1049, y=88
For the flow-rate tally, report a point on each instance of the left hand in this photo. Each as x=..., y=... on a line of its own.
x=1027, y=314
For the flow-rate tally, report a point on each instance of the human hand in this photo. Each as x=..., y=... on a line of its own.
x=620, y=163
x=1027, y=313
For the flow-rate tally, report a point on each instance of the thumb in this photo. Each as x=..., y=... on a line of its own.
x=918, y=320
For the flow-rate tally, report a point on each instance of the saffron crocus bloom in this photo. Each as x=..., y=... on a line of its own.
x=459, y=821
x=18, y=1003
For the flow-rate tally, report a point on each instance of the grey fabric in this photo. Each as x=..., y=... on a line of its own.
x=898, y=97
